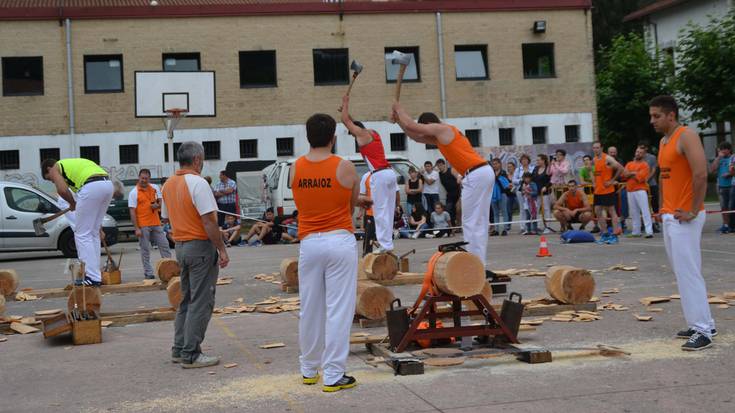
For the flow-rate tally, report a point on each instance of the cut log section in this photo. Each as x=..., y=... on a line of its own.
x=459, y=273
x=380, y=266
x=2, y=305
x=290, y=272
x=372, y=300
x=8, y=282
x=167, y=268
x=91, y=295
x=361, y=270
x=174, y=292
x=570, y=285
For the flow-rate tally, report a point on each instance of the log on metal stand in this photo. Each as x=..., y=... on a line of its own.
x=570, y=285
x=459, y=273
x=372, y=300
x=290, y=272
x=174, y=292
x=167, y=268
x=8, y=282
x=380, y=266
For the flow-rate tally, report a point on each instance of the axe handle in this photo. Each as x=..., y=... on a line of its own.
x=349, y=89
x=413, y=251
x=399, y=79
x=54, y=216
x=109, y=254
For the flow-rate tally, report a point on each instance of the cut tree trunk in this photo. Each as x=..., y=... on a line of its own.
x=361, y=275
x=290, y=272
x=380, y=266
x=8, y=282
x=459, y=273
x=174, y=292
x=89, y=295
x=570, y=285
x=372, y=300
x=167, y=268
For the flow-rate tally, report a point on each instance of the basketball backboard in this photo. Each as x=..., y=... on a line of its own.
x=158, y=91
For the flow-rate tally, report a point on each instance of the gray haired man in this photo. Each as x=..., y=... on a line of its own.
x=192, y=210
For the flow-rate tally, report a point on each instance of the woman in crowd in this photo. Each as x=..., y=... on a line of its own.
x=542, y=179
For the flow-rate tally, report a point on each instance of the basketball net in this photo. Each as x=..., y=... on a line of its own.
x=173, y=117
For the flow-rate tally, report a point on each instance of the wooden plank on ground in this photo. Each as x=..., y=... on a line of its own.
x=368, y=339
x=142, y=316
x=402, y=278
x=133, y=287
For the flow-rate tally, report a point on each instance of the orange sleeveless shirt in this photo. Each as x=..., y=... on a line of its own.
x=603, y=173
x=323, y=203
x=574, y=201
x=144, y=214
x=677, y=190
x=186, y=222
x=459, y=153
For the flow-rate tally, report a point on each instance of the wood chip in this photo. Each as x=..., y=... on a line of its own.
x=654, y=309
x=211, y=373
x=224, y=281
x=150, y=282
x=716, y=300
x=594, y=299
x=271, y=345
x=675, y=297
x=653, y=300
x=230, y=365
x=106, y=323
x=23, y=329
x=3, y=339
x=534, y=322
x=730, y=295
x=611, y=291
x=23, y=296
x=643, y=317
x=270, y=310
x=266, y=302
x=359, y=335
x=444, y=361
x=622, y=268
x=239, y=300
x=723, y=306
x=28, y=320
x=47, y=312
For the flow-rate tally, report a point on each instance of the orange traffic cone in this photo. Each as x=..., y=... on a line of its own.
x=543, y=249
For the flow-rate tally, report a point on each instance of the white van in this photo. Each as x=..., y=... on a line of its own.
x=278, y=188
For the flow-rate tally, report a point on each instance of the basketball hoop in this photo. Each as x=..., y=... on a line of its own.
x=173, y=117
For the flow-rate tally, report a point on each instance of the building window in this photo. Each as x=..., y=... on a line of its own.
x=176, y=150
x=474, y=137
x=471, y=62
x=22, y=76
x=505, y=136
x=571, y=133
x=10, y=159
x=128, y=154
x=211, y=150
x=258, y=69
x=397, y=142
x=284, y=146
x=538, y=60
x=49, y=153
x=90, y=152
x=331, y=67
x=103, y=74
x=413, y=72
x=248, y=148
x=181, y=62
x=539, y=134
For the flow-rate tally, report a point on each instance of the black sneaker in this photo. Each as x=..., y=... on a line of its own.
x=595, y=230
x=346, y=382
x=504, y=233
x=91, y=283
x=696, y=342
x=686, y=334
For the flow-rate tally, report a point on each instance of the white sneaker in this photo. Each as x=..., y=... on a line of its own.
x=416, y=234
x=547, y=231
x=201, y=361
x=381, y=250
x=429, y=235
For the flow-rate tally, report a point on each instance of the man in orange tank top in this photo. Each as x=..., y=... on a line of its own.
x=682, y=186
x=573, y=207
x=325, y=190
x=478, y=178
x=636, y=174
x=606, y=172
x=144, y=202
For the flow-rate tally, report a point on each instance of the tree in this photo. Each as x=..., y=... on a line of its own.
x=705, y=70
x=627, y=79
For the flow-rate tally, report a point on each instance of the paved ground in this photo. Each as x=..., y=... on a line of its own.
x=130, y=371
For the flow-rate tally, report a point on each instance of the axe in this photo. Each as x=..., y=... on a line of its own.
x=401, y=59
x=38, y=222
x=356, y=68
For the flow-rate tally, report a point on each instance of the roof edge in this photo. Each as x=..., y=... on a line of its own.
x=652, y=8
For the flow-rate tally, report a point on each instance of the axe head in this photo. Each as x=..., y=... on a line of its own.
x=398, y=58
x=356, y=67
x=38, y=227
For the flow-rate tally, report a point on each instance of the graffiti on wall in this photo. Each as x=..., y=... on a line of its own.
x=575, y=152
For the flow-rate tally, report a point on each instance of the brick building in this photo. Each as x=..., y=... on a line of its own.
x=511, y=73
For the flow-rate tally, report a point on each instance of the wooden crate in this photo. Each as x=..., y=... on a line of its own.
x=404, y=265
x=87, y=332
x=111, y=277
x=56, y=325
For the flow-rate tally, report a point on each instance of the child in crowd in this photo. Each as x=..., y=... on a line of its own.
x=290, y=235
x=529, y=192
x=400, y=223
x=231, y=231
x=440, y=220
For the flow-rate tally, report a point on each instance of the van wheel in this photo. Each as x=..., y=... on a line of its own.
x=67, y=246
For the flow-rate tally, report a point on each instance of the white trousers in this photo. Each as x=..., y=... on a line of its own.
x=637, y=206
x=477, y=191
x=682, y=241
x=383, y=187
x=327, y=289
x=92, y=202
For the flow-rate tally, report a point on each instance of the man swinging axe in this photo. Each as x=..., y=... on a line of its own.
x=93, y=190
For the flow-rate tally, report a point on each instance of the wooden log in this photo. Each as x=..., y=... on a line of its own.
x=167, y=268
x=290, y=272
x=381, y=266
x=570, y=285
x=361, y=270
x=459, y=273
x=174, y=292
x=372, y=300
x=8, y=282
x=402, y=278
x=2, y=305
x=92, y=296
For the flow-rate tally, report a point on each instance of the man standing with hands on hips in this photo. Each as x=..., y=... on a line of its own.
x=478, y=177
x=189, y=204
x=683, y=184
x=144, y=202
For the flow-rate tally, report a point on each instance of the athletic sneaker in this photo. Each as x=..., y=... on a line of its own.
x=311, y=380
x=176, y=358
x=603, y=238
x=648, y=236
x=90, y=282
x=416, y=234
x=612, y=240
x=201, y=361
x=690, y=332
x=381, y=250
x=429, y=235
x=547, y=231
x=346, y=382
x=696, y=342
x=724, y=229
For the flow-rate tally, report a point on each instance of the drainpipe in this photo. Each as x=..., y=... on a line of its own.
x=70, y=90
x=440, y=46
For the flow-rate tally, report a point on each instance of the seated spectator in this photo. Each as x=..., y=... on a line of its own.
x=417, y=221
x=231, y=231
x=400, y=223
x=573, y=207
x=440, y=221
x=291, y=226
x=529, y=197
x=265, y=232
